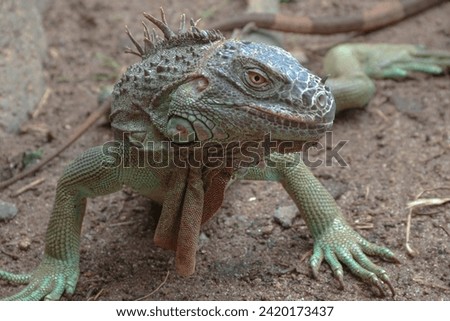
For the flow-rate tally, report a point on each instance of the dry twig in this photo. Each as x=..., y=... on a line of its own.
x=29, y=186
x=98, y=295
x=155, y=290
x=417, y=203
x=42, y=103
x=81, y=129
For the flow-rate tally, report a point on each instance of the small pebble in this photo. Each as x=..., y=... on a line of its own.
x=410, y=107
x=267, y=230
x=285, y=215
x=7, y=210
x=25, y=244
x=203, y=239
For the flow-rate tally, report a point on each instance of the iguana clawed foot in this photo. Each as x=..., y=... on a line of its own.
x=340, y=245
x=49, y=281
x=381, y=60
x=351, y=67
x=397, y=61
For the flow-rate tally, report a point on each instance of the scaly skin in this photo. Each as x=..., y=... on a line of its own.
x=195, y=88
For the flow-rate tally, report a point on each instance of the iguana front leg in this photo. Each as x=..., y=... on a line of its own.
x=335, y=240
x=91, y=174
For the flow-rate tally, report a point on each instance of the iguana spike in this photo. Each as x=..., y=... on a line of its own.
x=194, y=28
x=155, y=37
x=217, y=34
x=152, y=39
x=193, y=22
x=324, y=79
x=161, y=25
x=182, y=28
x=146, y=33
x=163, y=16
x=131, y=51
x=136, y=44
x=148, y=44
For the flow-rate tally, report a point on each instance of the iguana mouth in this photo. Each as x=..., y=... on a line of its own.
x=290, y=122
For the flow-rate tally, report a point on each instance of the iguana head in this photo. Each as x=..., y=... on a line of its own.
x=243, y=90
x=195, y=85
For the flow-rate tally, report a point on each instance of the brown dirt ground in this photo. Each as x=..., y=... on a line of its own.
x=398, y=146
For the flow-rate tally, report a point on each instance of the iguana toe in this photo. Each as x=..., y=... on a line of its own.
x=23, y=278
x=375, y=250
x=57, y=290
x=51, y=279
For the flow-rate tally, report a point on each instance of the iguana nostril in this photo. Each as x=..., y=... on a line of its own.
x=321, y=99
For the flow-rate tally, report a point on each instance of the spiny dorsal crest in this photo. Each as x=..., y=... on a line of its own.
x=184, y=36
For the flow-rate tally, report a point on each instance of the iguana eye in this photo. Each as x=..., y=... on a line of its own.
x=256, y=79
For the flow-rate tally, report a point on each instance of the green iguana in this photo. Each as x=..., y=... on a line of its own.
x=182, y=118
